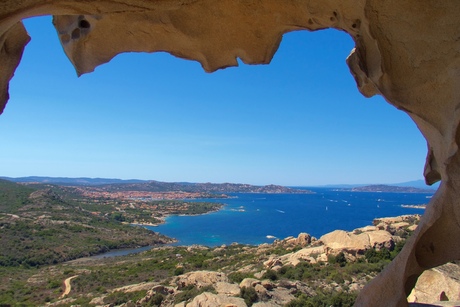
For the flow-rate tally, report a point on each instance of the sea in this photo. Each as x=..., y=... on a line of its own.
x=249, y=218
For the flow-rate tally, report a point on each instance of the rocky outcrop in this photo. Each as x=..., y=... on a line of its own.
x=207, y=299
x=358, y=243
x=437, y=284
x=309, y=254
x=406, y=51
x=200, y=279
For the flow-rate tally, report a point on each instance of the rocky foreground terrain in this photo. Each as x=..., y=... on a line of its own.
x=296, y=271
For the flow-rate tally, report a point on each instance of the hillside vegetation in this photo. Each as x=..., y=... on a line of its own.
x=47, y=224
x=44, y=226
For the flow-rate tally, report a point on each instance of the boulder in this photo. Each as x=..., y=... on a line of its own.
x=365, y=229
x=380, y=239
x=437, y=284
x=273, y=261
x=340, y=240
x=265, y=304
x=136, y=287
x=309, y=254
x=227, y=288
x=281, y=296
x=303, y=239
x=207, y=299
x=262, y=293
x=200, y=279
x=267, y=284
x=249, y=282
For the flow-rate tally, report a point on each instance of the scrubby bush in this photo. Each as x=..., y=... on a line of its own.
x=337, y=299
x=249, y=295
x=374, y=256
x=339, y=259
x=179, y=271
x=238, y=277
x=270, y=274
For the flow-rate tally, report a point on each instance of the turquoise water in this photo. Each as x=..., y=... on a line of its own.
x=250, y=218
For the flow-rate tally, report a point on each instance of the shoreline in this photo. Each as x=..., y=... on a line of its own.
x=163, y=218
x=128, y=251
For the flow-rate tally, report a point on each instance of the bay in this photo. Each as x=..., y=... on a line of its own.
x=250, y=218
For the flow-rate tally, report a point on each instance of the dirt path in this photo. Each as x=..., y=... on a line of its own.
x=67, y=286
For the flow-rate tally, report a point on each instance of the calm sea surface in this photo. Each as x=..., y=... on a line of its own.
x=250, y=218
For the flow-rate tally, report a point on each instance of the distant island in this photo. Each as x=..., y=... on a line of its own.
x=204, y=190
x=390, y=189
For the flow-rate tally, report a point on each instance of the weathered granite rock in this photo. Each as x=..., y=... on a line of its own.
x=357, y=243
x=207, y=299
x=227, y=288
x=437, y=284
x=407, y=51
x=303, y=239
x=136, y=287
x=265, y=304
x=249, y=282
x=309, y=254
x=281, y=296
x=200, y=279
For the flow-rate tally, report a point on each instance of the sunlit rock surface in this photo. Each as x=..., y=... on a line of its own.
x=406, y=51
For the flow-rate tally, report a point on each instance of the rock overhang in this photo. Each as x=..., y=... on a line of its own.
x=408, y=52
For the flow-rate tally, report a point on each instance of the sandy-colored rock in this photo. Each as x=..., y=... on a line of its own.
x=200, y=279
x=98, y=301
x=227, y=288
x=406, y=51
x=262, y=293
x=380, y=239
x=207, y=299
x=309, y=254
x=272, y=262
x=281, y=296
x=340, y=240
x=303, y=239
x=136, y=287
x=265, y=304
x=365, y=229
x=249, y=282
x=437, y=284
x=267, y=284
x=410, y=219
x=400, y=225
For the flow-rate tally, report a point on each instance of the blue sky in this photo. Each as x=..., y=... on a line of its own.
x=297, y=121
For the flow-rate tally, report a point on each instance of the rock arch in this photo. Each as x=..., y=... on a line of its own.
x=406, y=51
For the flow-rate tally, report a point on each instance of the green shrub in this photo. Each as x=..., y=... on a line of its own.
x=179, y=271
x=120, y=297
x=337, y=299
x=249, y=295
x=270, y=274
x=238, y=277
x=156, y=300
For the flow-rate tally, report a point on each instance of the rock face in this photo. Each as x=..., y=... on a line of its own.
x=358, y=243
x=437, y=284
x=207, y=299
x=406, y=51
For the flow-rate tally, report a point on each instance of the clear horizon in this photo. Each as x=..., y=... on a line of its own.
x=299, y=121
x=416, y=181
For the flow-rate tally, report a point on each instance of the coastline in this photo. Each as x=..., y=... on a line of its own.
x=163, y=218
